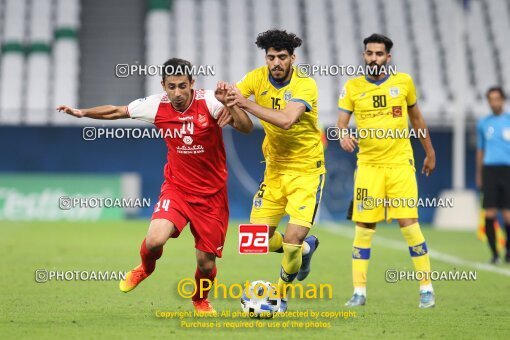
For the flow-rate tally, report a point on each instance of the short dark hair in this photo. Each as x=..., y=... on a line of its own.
x=380, y=39
x=177, y=67
x=279, y=40
x=496, y=89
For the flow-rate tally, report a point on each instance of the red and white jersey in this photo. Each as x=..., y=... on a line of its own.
x=196, y=161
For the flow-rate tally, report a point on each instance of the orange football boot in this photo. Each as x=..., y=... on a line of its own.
x=133, y=279
x=203, y=306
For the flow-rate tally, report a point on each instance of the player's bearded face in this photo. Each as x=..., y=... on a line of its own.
x=377, y=58
x=279, y=64
x=179, y=90
x=496, y=101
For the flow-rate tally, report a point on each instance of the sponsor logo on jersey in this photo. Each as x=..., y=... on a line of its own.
x=397, y=111
x=394, y=91
x=190, y=150
x=187, y=140
x=185, y=118
x=263, y=93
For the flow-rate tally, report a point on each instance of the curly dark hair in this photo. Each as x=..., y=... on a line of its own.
x=380, y=39
x=279, y=40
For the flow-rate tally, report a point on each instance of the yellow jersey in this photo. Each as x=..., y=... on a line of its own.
x=381, y=105
x=298, y=150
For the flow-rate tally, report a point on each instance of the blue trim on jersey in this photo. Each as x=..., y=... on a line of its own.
x=344, y=110
x=418, y=250
x=308, y=106
x=360, y=253
x=277, y=84
x=377, y=82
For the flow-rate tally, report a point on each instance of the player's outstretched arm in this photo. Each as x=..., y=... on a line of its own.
x=347, y=143
x=282, y=118
x=419, y=124
x=231, y=115
x=99, y=112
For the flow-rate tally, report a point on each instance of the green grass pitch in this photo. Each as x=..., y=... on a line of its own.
x=97, y=309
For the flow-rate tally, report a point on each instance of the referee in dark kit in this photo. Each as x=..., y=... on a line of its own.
x=493, y=167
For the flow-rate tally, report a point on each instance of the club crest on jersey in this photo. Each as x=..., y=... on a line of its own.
x=394, y=92
x=202, y=120
x=257, y=202
x=287, y=96
x=397, y=111
x=187, y=140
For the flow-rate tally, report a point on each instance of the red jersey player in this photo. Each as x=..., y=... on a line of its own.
x=195, y=188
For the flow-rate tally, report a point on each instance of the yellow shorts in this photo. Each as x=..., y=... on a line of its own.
x=384, y=192
x=295, y=195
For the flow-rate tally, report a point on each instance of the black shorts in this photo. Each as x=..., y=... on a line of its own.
x=496, y=187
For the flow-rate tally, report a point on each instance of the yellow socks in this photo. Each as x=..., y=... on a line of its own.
x=276, y=242
x=290, y=264
x=419, y=252
x=360, y=258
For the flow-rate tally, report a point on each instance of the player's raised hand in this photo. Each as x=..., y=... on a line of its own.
x=221, y=91
x=235, y=97
x=429, y=164
x=348, y=143
x=224, y=117
x=70, y=111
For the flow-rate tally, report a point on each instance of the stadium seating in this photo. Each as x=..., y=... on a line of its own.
x=65, y=56
x=12, y=62
x=39, y=61
x=40, y=45
x=157, y=27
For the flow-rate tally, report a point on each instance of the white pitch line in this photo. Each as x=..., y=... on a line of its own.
x=434, y=254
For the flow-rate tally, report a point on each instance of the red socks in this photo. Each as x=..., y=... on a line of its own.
x=207, y=286
x=149, y=257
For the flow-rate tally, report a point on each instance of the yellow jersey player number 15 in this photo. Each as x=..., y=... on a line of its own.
x=286, y=105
